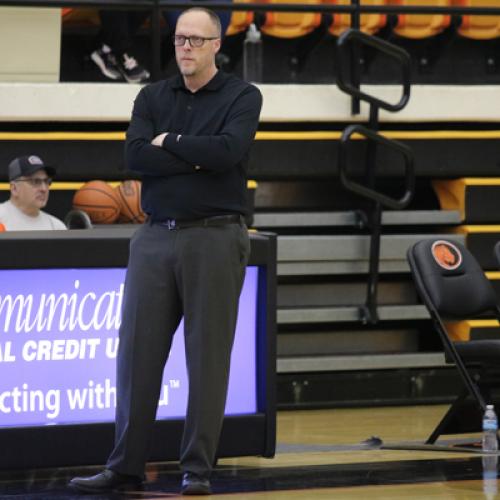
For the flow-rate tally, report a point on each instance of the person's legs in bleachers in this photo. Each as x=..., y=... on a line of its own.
x=114, y=55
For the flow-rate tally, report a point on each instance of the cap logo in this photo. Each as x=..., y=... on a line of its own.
x=446, y=255
x=35, y=160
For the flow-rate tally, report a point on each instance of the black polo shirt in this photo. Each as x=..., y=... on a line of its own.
x=200, y=171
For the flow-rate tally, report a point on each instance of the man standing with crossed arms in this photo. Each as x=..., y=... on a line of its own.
x=189, y=138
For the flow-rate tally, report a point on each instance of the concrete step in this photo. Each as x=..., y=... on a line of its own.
x=269, y=220
x=300, y=255
x=300, y=315
x=303, y=364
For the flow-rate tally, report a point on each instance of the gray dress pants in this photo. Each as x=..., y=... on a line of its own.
x=196, y=273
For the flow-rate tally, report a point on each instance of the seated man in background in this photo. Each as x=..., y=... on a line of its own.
x=29, y=180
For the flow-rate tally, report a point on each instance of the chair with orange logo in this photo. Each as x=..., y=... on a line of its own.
x=453, y=287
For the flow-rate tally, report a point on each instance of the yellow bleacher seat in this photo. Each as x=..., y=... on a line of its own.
x=291, y=24
x=421, y=26
x=240, y=20
x=80, y=15
x=369, y=23
x=479, y=27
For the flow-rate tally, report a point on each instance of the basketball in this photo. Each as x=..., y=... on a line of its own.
x=129, y=195
x=99, y=200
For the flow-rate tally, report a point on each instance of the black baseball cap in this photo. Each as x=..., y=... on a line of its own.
x=27, y=165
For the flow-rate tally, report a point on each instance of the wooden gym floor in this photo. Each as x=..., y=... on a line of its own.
x=320, y=454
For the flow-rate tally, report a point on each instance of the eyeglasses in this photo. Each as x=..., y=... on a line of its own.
x=194, y=41
x=36, y=181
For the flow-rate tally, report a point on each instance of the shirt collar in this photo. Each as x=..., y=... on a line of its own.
x=214, y=84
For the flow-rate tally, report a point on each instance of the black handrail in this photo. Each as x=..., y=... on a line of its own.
x=355, y=54
x=368, y=311
x=368, y=191
x=348, y=39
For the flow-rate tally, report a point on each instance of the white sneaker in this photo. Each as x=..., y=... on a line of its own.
x=131, y=70
x=106, y=62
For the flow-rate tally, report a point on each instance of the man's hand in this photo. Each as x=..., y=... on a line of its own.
x=158, y=140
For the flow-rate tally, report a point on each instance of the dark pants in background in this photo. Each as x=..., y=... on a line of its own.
x=119, y=27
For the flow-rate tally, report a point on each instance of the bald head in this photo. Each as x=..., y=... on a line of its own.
x=212, y=17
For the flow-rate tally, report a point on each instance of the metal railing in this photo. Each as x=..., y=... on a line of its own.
x=373, y=219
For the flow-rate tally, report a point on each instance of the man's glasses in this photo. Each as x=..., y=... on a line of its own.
x=36, y=181
x=194, y=41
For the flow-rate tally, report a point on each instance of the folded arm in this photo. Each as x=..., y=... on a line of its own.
x=224, y=150
x=144, y=157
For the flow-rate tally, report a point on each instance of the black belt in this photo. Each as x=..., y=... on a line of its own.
x=218, y=220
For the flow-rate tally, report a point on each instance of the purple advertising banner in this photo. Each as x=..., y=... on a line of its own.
x=58, y=345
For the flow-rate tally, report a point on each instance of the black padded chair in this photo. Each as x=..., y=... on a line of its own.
x=77, y=219
x=453, y=286
x=497, y=252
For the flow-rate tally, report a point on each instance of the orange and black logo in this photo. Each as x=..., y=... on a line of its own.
x=446, y=254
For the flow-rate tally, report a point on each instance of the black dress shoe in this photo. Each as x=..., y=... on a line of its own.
x=107, y=480
x=195, y=485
